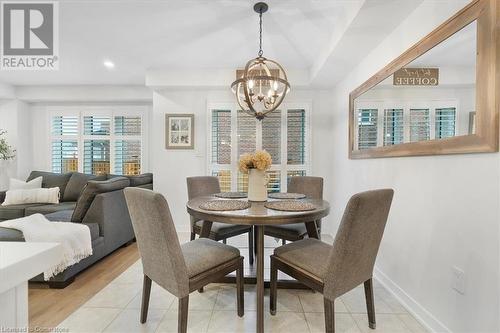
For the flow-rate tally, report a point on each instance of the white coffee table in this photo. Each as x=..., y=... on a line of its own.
x=19, y=262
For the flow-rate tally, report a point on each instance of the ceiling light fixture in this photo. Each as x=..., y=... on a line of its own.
x=263, y=85
x=108, y=64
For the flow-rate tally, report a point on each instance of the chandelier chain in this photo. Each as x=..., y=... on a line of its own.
x=260, y=34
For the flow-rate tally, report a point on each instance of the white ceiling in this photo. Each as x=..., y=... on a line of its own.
x=191, y=34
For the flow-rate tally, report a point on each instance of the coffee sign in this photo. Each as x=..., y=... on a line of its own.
x=416, y=77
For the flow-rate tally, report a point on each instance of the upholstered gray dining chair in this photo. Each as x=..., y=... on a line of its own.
x=335, y=270
x=180, y=269
x=207, y=185
x=312, y=187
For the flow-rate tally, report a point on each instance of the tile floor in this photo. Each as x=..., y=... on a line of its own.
x=116, y=309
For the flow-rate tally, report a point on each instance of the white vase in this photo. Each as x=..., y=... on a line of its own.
x=257, y=185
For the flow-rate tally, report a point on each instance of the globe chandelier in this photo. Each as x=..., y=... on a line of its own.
x=263, y=85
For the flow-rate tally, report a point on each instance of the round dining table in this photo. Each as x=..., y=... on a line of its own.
x=259, y=216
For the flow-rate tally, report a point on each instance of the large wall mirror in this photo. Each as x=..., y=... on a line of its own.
x=439, y=97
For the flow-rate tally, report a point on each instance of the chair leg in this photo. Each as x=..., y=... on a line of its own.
x=273, y=293
x=329, y=315
x=146, y=292
x=193, y=235
x=370, y=304
x=224, y=241
x=283, y=242
x=182, y=316
x=254, y=242
x=250, y=246
x=240, y=288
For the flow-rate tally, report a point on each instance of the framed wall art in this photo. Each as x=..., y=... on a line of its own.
x=179, y=131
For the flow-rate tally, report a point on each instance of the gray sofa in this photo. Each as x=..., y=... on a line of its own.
x=98, y=203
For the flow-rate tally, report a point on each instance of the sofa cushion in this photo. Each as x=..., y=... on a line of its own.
x=10, y=235
x=93, y=188
x=47, y=209
x=136, y=180
x=51, y=179
x=14, y=211
x=76, y=183
x=60, y=216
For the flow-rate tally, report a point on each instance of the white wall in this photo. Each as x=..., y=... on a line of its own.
x=171, y=167
x=445, y=211
x=16, y=120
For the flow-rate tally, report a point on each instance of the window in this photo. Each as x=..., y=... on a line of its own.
x=420, y=126
x=445, y=123
x=64, y=149
x=283, y=133
x=98, y=141
x=393, y=126
x=367, y=128
x=386, y=123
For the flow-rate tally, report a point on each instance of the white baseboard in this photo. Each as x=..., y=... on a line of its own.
x=431, y=323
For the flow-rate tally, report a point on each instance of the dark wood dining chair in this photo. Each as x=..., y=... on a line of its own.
x=180, y=269
x=207, y=185
x=335, y=270
x=312, y=187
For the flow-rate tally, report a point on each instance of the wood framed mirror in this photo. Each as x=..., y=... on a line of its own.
x=441, y=96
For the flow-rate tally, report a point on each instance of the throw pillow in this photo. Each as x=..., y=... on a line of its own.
x=93, y=188
x=30, y=196
x=17, y=184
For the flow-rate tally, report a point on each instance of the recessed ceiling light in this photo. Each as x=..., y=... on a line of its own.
x=109, y=64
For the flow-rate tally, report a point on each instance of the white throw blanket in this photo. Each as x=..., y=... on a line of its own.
x=74, y=238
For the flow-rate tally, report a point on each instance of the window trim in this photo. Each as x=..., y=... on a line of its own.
x=283, y=167
x=80, y=111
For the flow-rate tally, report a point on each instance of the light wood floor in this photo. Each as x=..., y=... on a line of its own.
x=49, y=307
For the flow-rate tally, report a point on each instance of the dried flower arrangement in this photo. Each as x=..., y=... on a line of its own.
x=260, y=160
x=6, y=151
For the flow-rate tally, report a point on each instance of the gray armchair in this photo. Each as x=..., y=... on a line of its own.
x=180, y=269
x=335, y=270
x=207, y=185
x=312, y=187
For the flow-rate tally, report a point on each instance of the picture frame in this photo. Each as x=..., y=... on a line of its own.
x=179, y=131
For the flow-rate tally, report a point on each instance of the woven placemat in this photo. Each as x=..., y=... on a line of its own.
x=290, y=206
x=225, y=205
x=282, y=195
x=231, y=195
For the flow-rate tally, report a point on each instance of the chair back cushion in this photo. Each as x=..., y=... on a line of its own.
x=159, y=247
x=312, y=187
x=93, y=188
x=357, y=241
x=201, y=186
x=50, y=179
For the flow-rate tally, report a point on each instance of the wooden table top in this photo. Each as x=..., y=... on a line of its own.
x=257, y=214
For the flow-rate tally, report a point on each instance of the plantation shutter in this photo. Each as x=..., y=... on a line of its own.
x=127, y=131
x=296, y=133
x=367, y=128
x=445, y=122
x=221, y=136
x=221, y=147
x=96, y=157
x=419, y=125
x=393, y=127
x=271, y=135
x=64, y=147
